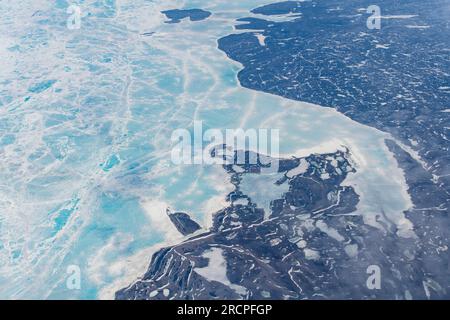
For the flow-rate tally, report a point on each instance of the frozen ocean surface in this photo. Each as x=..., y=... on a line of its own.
x=86, y=118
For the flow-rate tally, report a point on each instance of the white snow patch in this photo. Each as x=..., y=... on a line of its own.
x=400, y=16
x=261, y=39
x=166, y=292
x=311, y=254
x=238, y=169
x=300, y=169
x=417, y=27
x=217, y=270
x=275, y=242
x=302, y=244
x=325, y=176
x=153, y=294
x=241, y=201
x=351, y=250
x=331, y=232
x=262, y=189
